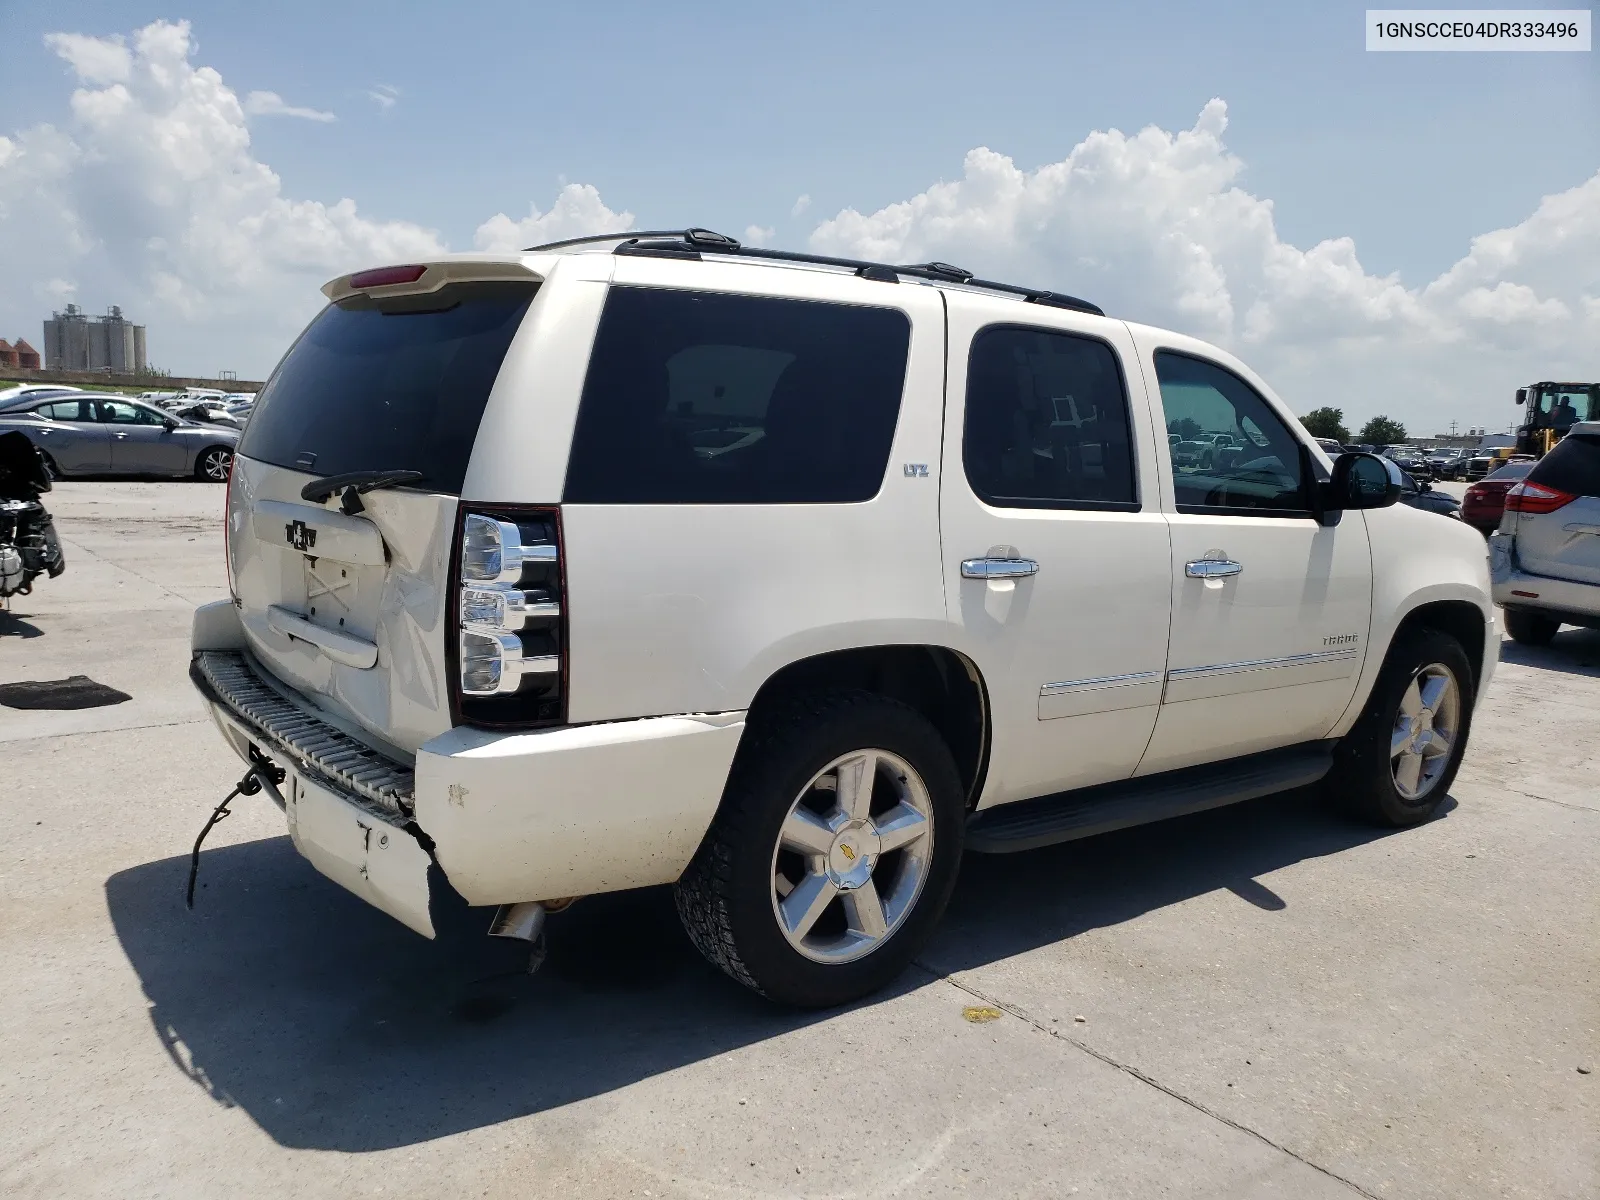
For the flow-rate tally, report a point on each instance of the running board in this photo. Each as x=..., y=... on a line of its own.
x=1066, y=816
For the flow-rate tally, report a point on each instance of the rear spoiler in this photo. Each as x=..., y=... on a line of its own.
x=420, y=278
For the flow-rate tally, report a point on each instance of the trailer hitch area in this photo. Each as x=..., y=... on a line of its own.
x=263, y=772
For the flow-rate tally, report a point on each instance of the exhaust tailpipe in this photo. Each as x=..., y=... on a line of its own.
x=524, y=922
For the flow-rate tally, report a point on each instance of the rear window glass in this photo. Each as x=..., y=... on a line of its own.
x=709, y=398
x=1511, y=471
x=398, y=384
x=1573, y=465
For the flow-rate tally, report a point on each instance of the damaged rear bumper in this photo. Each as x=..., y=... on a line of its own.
x=366, y=845
x=508, y=817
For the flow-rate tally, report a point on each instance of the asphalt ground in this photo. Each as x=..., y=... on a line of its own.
x=1261, y=1001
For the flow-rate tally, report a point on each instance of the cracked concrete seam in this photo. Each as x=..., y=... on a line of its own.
x=1127, y=1069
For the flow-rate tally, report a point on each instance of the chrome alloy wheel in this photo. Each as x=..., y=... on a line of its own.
x=852, y=856
x=215, y=464
x=1425, y=731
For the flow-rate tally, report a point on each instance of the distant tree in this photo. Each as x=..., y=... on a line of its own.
x=1381, y=431
x=1326, y=423
x=1186, y=427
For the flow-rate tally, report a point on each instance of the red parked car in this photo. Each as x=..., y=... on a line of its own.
x=1485, y=500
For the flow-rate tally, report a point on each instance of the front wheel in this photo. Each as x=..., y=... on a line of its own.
x=1397, y=762
x=834, y=851
x=214, y=464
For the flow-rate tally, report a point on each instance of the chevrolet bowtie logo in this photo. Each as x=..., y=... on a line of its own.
x=846, y=850
x=300, y=535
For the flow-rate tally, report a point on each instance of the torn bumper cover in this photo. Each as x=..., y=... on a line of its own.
x=347, y=806
x=508, y=817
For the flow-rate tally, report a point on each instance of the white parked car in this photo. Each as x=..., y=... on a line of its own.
x=1545, y=557
x=782, y=579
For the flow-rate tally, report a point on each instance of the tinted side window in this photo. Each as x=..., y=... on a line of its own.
x=68, y=410
x=708, y=398
x=1047, y=422
x=1573, y=465
x=117, y=412
x=1229, y=449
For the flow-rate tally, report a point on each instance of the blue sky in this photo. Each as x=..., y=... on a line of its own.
x=724, y=114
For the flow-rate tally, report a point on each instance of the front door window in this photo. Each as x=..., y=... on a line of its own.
x=1232, y=453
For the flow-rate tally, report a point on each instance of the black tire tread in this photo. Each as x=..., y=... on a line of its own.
x=1531, y=629
x=200, y=462
x=704, y=893
x=1361, y=767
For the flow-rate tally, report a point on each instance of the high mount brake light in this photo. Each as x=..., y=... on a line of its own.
x=386, y=277
x=1529, y=497
x=509, y=639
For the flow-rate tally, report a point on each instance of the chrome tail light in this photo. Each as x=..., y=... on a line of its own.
x=510, y=662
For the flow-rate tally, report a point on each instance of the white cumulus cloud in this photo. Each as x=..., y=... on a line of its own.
x=270, y=104
x=577, y=212
x=93, y=60
x=150, y=196
x=759, y=235
x=1155, y=227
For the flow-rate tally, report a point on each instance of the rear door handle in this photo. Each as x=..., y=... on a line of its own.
x=998, y=568
x=1211, y=568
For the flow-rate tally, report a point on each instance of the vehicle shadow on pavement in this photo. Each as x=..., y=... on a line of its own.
x=11, y=625
x=336, y=1028
x=1576, y=651
x=1008, y=904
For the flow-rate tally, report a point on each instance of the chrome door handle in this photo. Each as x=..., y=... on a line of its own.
x=1211, y=568
x=998, y=568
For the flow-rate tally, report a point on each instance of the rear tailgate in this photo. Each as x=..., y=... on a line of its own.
x=345, y=599
x=1564, y=542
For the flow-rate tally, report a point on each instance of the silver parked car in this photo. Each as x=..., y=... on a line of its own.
x=93, y=434
x=1545, y=558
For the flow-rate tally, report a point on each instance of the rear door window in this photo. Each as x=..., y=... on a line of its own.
x=68, y=410
x=1047, y=422
x=391, y=384
x=710, y=398
x=1573, y=465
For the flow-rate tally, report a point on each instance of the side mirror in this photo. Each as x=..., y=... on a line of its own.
x=1360, y=481
x=171, y=424
x=1522, y=395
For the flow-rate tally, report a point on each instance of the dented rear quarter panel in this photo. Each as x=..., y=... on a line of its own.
x=572, y=811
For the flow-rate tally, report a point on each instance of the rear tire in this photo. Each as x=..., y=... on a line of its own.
x=874, y=881
x=1397, y=763
x=1529, y=628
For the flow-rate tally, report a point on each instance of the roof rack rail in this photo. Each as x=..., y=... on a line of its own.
x=691, y=243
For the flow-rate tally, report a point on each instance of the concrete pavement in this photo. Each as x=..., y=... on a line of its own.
x=1263, y=1001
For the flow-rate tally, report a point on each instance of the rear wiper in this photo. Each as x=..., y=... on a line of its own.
x=352, y=484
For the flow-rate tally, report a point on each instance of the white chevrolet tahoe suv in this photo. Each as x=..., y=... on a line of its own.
x=786, y=580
